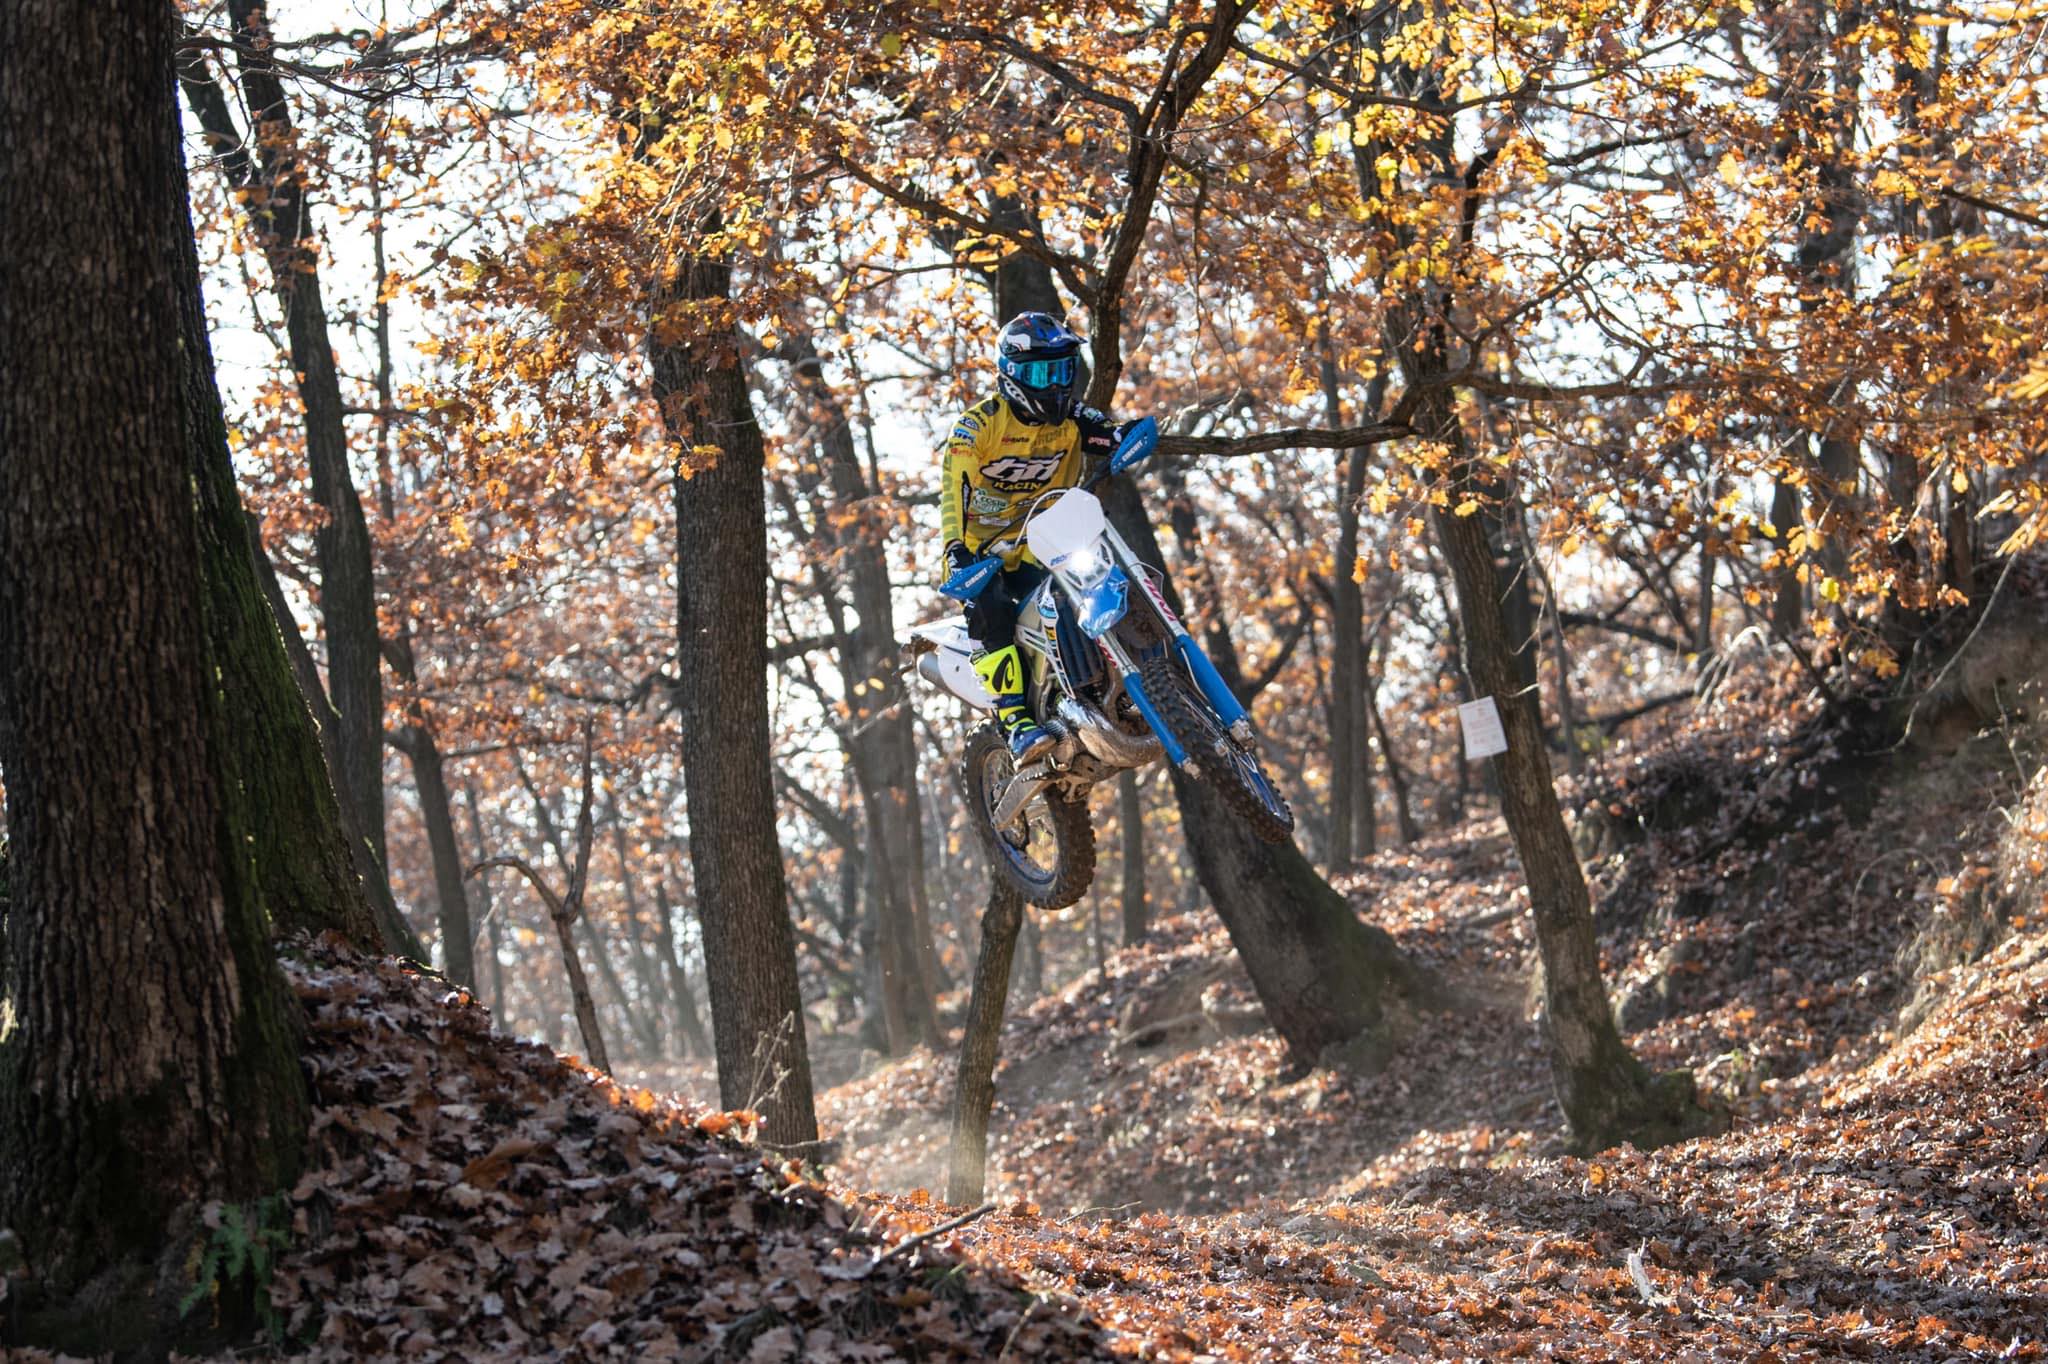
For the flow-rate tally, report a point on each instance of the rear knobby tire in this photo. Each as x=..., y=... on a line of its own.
x=1064, y=867
x=1223, y=763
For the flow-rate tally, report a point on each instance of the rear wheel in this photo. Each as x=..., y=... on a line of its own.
x=1047, y=851
x=1232, y=768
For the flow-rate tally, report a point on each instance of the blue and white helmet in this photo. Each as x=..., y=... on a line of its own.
x=1038, y=367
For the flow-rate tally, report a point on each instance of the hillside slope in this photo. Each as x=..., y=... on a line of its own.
x=1792, y=904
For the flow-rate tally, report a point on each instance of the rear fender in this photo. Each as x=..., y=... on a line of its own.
x=949, y=664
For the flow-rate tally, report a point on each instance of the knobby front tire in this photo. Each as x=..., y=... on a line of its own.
x=1055, y=864
x=1222, y=762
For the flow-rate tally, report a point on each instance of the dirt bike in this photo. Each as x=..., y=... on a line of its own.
x=1112, y=674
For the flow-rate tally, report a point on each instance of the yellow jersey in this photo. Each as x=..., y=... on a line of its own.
x=996, y=464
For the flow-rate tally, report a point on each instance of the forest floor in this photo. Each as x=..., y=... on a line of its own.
x=1846, y=942
x=1848, y=945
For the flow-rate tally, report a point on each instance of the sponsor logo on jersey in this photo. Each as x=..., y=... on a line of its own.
x=986, y=504
x=1020, y=471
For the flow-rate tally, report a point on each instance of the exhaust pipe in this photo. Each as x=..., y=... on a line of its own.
x=1104, y=740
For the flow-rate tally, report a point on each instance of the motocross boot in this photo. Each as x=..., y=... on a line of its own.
x=1002, y=672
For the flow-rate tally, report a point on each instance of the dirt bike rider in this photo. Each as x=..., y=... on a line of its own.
x=1031, y=436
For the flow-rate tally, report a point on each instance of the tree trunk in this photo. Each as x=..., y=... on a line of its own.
x=1320, y=971
x=341, y=545
x=880, y=741
x=722, y=628
x=644, y=1026
x=1347, y=656
x=487, y=916
x=579, y=991
x=1822, y=133
x=1031, y=959
x=645, y=969
x=458, y=960
x=689, y=1024
x=398, y=935
x=1788, y=601
x=1131, y=814
x=146, y=1003
x=974, y=1084
x=1607, y=1095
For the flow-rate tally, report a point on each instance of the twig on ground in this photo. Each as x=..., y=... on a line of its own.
x=912, y=1242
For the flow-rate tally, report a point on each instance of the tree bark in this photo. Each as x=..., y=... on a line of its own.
x=1137, y=919
x=1347, y=637
x=721, y=627
x=1607, y=1095
x=398, y=935
x=974, y=1084
x=146, y=1002
x=458, y=960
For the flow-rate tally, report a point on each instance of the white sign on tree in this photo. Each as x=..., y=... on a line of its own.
x=1480, y=720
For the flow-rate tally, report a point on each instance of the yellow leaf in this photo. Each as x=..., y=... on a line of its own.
x=892, y=45
x=1730, y=168
x=1468, y=506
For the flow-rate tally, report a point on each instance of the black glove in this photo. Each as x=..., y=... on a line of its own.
x=958, y=556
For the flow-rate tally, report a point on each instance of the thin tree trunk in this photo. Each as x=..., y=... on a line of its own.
x=458, y=960
x=644, y=1027
x=276, y=180
x=880, y=740
x=722, y=628
x=645, y=970
x=974, y=1084
x=1788, y=601
x=1607, y=1095
x=1703, y=642
x=1131, y=814
x=145, y=999
x=1406, y=829
x=484, y=904
x=1031, y=959
x=563, y=910
x=689, y=1022
x=1347, y=650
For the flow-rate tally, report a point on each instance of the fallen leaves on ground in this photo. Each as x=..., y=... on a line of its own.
x=471, y=1196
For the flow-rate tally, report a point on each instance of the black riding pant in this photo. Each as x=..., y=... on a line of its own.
x=992, y=616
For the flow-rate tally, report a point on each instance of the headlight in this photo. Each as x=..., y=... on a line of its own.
x=1085, y=566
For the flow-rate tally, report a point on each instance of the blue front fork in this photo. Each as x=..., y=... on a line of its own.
x=1210, y=681
x=1213, y=689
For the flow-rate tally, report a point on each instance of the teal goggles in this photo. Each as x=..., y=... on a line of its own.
x=1040, y=373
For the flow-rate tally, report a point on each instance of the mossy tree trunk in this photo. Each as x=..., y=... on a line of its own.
x=269, y=169
x=154, y=1061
